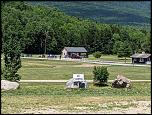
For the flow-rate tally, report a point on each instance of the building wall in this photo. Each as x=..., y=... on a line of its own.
x=85, y=55
x=82, y=55
x=140, y=60
x=64, y=53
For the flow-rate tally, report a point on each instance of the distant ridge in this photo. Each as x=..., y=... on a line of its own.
x=113, y=12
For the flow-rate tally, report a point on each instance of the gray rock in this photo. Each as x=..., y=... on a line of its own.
x=8, y=85
x=121, y=82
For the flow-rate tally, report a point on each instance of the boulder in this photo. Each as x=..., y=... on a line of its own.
x=8, y=85
x=121, y=82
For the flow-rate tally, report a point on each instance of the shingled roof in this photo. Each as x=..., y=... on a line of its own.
x=75, y=49
x=142, y=55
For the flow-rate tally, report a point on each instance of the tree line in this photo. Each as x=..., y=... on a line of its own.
x=53, y=29
x=41, y=30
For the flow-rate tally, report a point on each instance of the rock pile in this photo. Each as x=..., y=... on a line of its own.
x=121, y=82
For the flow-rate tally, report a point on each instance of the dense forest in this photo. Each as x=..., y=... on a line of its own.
x=44, y=30
x=135, y=13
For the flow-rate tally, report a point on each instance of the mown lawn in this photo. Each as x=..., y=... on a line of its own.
x=50, y=95
x=111, y=58
x=104, y=57
x=38, y=96
x=35, y=69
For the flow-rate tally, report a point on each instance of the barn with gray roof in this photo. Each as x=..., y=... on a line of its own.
x=74, y=52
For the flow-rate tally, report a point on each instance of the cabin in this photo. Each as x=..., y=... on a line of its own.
x=74, y=52
x=141, y=58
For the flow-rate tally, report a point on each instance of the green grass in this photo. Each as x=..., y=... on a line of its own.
x=111, y=58
x=38, y=96
x=103, y=58
x=55, y=70
x=47, y=95
x=58, y=89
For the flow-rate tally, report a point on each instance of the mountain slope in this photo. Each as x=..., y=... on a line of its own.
x=126, y=13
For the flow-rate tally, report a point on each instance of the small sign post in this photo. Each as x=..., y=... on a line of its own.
x=78, y=76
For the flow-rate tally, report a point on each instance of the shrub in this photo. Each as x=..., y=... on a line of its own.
x=97, y=54
x=11, y=66
x=100, y=76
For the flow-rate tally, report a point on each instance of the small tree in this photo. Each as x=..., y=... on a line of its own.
x=12, y=64
x=100, y=76
x=13, y=39
x=97, y=54
x=124, y=51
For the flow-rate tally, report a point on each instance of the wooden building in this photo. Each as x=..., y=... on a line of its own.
x=143, y=58
x=74, y=52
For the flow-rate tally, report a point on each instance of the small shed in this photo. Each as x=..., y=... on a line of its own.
x=143, y=57
x=77, y=81
x=74, y=52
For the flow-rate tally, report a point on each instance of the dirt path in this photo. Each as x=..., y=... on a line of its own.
x=64, y=81
x=142, y=107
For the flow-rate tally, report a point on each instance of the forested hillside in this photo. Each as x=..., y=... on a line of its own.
x=114, y=12
x=34, y=28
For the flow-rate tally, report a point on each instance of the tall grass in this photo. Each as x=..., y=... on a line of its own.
x=36, y=96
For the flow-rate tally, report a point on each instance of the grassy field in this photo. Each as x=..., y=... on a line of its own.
x=111, y=58
x=49, y=97
x=35, y=69
x=44, y=96
x=103, y=58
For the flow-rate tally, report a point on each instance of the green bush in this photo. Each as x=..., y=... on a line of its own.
x=100, y=76
x=97, y=54
x=11, y=66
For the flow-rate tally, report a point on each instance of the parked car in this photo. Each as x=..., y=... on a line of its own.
x=52, y=56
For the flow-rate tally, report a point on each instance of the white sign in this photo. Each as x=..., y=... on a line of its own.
x=78, y=76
